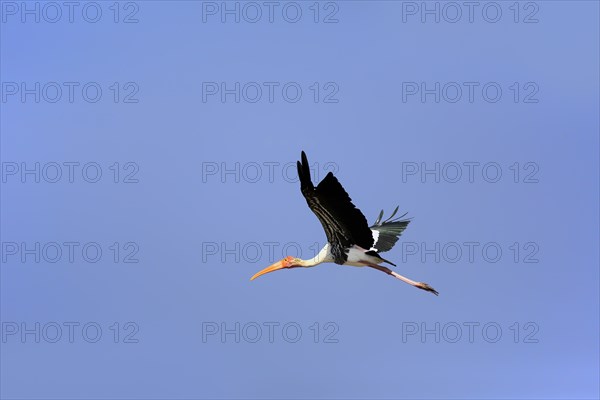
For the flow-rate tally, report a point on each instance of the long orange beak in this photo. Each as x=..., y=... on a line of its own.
x=277, y=266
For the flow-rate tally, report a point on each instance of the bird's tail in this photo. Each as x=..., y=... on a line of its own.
x=376, y=254
x=386, y=261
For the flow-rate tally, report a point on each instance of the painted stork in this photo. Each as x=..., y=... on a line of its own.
x=350, y=239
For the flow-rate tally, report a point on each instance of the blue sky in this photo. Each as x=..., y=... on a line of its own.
x=148, y=153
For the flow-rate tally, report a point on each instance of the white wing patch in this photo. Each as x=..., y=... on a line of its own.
x=375, y=238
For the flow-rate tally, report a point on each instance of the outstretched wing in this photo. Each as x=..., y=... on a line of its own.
x=343, y=223
x=386, y=233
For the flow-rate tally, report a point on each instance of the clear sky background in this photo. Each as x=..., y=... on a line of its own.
x=204, y=194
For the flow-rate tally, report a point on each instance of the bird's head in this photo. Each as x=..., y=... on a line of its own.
x=288, y=262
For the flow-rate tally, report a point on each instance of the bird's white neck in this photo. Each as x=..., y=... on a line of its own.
x=322, y=257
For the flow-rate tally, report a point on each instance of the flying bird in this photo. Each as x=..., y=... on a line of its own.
x=350, y=239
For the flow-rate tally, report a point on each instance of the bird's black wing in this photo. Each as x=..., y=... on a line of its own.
x=388, y=231
x=344, y=224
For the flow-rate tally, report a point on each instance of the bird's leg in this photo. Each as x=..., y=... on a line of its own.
x=419, y=285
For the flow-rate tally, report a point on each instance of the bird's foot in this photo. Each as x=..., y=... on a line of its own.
x=424, y=286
